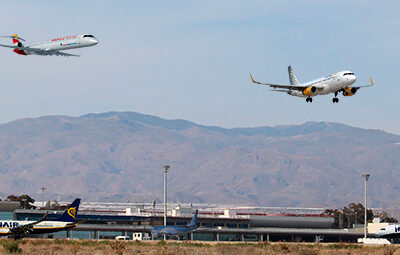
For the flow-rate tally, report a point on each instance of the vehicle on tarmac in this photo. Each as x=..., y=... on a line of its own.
x=51, y=47
x=336, y=83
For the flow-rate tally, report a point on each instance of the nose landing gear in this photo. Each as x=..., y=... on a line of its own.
x=309, y=99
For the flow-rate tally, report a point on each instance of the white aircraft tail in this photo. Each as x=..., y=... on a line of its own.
x=292, y=77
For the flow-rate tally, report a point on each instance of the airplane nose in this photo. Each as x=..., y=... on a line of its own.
x=353, y=79
x=93, y=41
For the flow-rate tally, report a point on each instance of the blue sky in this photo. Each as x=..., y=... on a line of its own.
x=191, y=59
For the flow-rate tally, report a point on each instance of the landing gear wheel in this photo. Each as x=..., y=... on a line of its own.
x=309, y=99
x=335, y=100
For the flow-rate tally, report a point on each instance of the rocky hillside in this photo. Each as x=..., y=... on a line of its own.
x=116, y=156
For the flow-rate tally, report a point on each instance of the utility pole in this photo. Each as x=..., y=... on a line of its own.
x=165, y=167
x=43, y=189
x=366, y=177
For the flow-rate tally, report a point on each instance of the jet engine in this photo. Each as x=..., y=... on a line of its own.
x=310, y=91
x=350, y=91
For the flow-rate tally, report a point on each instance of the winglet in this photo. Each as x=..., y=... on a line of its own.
x=372, y=83
x=252, y=78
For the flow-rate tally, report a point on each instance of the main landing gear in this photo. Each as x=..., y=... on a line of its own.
x=309, y=99
x=335, y=99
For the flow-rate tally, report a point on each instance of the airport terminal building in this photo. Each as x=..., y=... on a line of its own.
x=216, y=224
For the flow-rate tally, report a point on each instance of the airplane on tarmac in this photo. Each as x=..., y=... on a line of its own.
x=52, y=47
x=335, y=83
x=390, y=231
x=176, y=230
x=18, y=229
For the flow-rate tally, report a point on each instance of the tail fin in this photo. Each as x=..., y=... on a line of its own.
x=15, y=39
x=70, y=213
x=194, y=219
x=292, y=77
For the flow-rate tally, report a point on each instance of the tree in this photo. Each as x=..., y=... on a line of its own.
x=25, y=201
x=12, y=198
x=385, y=217
x=349, y=215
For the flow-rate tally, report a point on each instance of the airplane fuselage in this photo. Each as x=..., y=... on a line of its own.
x=329, y=84
x=172, y=230
x=390, y=231
x=64, y=43
x=40, y=228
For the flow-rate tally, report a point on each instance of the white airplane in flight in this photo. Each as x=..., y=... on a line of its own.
x=52, y=47
x=335, y=83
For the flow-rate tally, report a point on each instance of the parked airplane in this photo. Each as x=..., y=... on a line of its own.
x=19, y=229
x=52, y=47
x=176, y=230
x=390, y=231
x=335, y=83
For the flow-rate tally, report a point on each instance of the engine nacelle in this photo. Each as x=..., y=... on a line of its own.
x=310, y=91
x=18, y=44
x=350, y=91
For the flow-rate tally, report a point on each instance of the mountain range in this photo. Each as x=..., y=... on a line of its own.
x=117, y=156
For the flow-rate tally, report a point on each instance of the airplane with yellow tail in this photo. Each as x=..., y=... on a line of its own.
x=336, y=83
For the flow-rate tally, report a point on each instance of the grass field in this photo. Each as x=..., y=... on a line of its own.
x=60, y=246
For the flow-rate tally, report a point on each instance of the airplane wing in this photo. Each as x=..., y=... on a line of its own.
x=25, y=229
x=40, y=51
x=59, y=53
x=280, y=86
x=370, y=85
x=50, y=52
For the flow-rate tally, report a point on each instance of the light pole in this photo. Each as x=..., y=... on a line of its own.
x=43, y=189
x=366, y=177
x=165, y=167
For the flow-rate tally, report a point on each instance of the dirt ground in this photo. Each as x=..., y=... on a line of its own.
x=61, y=246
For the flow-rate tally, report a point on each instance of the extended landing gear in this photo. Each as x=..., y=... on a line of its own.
x=309, y=99
x=335, y=99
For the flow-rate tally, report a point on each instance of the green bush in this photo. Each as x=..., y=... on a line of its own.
x=11, y=247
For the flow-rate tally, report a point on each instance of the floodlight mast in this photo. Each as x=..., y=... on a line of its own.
x=43, y=189
x=165, y=167
x=366, y=177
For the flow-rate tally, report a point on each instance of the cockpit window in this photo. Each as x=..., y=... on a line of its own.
x=382, y=229
x=348, y=74
x=88, y=36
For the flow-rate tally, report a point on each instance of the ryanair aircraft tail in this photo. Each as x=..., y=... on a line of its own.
x=292, y=77
x=194, y=219
x=70, y=213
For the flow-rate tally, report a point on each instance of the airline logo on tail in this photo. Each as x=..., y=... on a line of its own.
x=72, y=212
x=15, y=38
